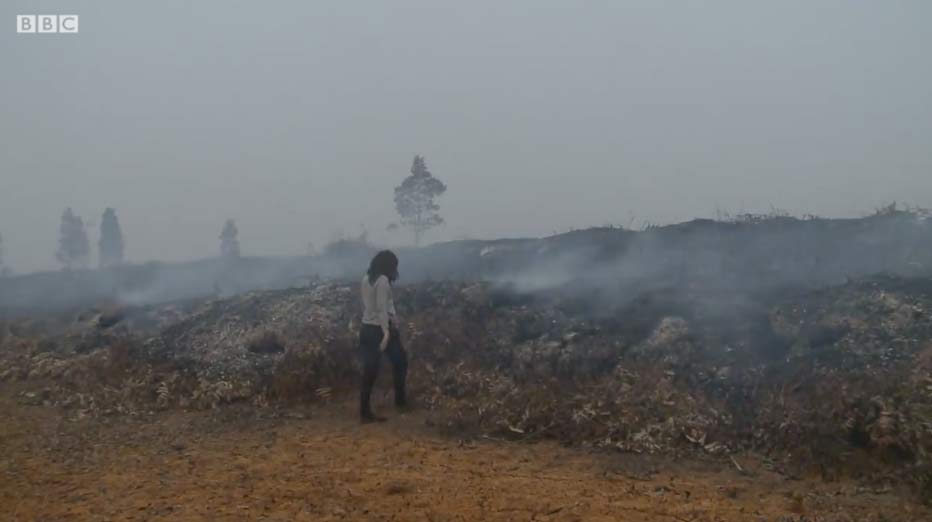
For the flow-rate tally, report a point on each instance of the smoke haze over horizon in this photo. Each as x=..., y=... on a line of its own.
x=298, y=119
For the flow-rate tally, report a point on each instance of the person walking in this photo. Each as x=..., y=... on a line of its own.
x=379, y=333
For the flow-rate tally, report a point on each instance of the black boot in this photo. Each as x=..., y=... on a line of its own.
x=370, y=372
x=369, y=418
x=365, y=411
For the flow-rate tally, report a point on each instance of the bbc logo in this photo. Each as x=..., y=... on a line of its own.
x=46, y=23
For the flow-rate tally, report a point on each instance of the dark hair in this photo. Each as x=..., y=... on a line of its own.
x=385, y=263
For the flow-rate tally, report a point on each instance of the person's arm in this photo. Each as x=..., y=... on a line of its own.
x=383, y=296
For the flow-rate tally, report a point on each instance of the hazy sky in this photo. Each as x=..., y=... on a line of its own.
x=297, y=118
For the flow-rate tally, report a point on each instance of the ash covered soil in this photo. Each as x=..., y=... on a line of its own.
x=686, y=402
x=315, y=463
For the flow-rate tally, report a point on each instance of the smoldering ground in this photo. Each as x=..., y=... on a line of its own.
x=605, y=267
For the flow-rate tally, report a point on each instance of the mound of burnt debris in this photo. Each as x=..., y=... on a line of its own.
x=837, y=380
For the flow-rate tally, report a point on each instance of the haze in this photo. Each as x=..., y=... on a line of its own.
x=298, y=118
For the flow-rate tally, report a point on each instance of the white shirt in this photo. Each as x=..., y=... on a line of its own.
x=378, y=308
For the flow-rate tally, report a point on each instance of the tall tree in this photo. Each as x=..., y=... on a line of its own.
x=414, y=199
x=110, y=246
x=229, y=244
x=73, y=246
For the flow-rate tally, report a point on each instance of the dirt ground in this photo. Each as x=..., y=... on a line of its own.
x=318, y=464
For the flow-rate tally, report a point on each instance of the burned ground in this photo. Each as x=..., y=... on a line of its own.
x=744, y=254
x=831, y=383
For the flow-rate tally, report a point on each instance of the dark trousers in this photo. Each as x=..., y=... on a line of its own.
x=370, y=336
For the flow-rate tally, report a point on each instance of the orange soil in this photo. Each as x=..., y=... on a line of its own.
x=317, y=464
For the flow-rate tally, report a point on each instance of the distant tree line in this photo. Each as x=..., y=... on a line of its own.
x=414, y=203
x=74, y=247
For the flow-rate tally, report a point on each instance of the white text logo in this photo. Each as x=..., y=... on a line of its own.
x=46, y=23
